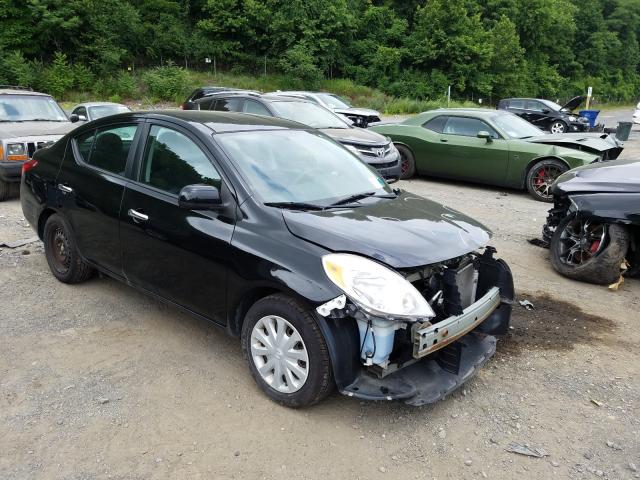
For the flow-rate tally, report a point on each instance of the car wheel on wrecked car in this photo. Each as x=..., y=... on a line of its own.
x=407, y=162
x=558, y=126
x=286, y=351
x=61, y=252
x=589, y=250
x=541, y=176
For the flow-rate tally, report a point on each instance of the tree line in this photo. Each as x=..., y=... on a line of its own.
x=406, y=48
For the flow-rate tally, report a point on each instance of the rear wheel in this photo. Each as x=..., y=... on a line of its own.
x=558, y=126
x=541, y=176
x=61, y=252
x=286, y=352
x=407, y=162
x=589, y=250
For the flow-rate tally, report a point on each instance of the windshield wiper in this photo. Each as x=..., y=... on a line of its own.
x=295, y=205
x=42, y=120
x=359, y=196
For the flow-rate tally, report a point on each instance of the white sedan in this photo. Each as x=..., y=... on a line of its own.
x=636, y=114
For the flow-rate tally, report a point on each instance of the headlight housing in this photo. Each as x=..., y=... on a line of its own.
x=16, y=151
x=572, y=118
x=377, y=289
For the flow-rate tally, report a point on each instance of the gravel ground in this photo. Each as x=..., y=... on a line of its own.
x=98, y=381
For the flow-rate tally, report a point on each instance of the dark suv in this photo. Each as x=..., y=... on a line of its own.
x=372, y=148
x=201, y=92
x=274, y=232
x=548, y=115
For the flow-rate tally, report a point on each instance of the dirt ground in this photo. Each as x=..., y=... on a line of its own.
x=98, y=381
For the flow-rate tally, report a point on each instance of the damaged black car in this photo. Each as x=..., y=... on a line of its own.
x=593, y=230
x=283, y=237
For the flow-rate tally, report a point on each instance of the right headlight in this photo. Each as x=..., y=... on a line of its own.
x=377, y=289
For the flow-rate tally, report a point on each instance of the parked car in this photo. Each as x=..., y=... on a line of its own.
x=28, y=121
x=85, y=112
x=548, y=115
x=594, y=225
x=372, y=148
x=493, y=147
x=203, y=92
x=360, y=117
x=636, y=114
x=279, y=235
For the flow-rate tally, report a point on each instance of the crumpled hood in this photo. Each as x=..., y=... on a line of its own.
x=407, y=231
x=364, y=112
x=619, y=176
x=355, y=135
x=34, y=129
x=600, y=142
x=574, y=103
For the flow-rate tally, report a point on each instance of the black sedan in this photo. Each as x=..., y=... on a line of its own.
x=282, y=237
x=548, y=115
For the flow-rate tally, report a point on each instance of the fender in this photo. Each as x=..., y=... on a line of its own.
x=609, y=207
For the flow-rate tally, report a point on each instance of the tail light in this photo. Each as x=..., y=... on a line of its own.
x=26, y=166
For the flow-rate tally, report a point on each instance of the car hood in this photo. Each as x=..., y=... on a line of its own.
x=34, y=129
x=365, y=112
x=574, y=103
x=407, y=231
x=619, y=176
x=355, y=135
x=600, y=142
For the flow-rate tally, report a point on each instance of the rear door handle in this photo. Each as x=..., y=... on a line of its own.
x=64, y=188
x=137, y=216
x=444, y=140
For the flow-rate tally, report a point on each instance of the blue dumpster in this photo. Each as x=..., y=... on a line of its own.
x=590, y=115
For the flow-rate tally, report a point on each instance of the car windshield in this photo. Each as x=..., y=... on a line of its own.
x=309, y=113
x=333, y=101
x=24, y=108
x=515, y=127
x=299, y=166
x=552, y=105
x=106, y=110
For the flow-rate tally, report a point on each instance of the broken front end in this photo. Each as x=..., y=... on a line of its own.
x=422, y=357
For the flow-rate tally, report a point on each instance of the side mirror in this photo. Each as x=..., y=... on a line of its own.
x=74, y=117
x=486, y=135
x=199, y=197
x=545, y=110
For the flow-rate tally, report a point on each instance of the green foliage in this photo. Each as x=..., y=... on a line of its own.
x=58, y=77
x=15, y=69
x=166, y=83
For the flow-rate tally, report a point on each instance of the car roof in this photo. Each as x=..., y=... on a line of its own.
x=267, y=97
x=97, y=104
x=7, y=90
x=218, y=122
x=478, y=112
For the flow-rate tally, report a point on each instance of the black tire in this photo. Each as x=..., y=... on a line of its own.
x=319, y=382
x=559, y=126
x=62, y=254
x=541, y=176
x=603, y=267
x=407, y=162
x=5, y=189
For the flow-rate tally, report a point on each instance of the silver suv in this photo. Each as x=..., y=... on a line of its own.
x=28, y=121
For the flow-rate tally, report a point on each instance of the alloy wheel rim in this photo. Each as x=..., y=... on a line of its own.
x=544, y=178
x=404, y=164
x=557, y=128
x=279, y=354
x=581, y=240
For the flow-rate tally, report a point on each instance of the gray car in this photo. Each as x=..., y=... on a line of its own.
x=372, y=148
x=360, y=117
x=85, y=112
x=28, y=121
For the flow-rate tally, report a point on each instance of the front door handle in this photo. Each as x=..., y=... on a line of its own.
x=444, y=140
x=137, y=216
x=64, y=188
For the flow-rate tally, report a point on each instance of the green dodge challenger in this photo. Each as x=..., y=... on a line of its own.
x=493, y=147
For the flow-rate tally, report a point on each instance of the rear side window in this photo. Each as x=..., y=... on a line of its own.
x=173, y=161
x=535, y=106
x=516, y=104
x=436, y=124
x=251, y=106
x=227, y=105
x=109, y=149
x=467, y=127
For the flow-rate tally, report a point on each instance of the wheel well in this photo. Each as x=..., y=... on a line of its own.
x=42, y=220
x=530, y=165
x=239, y=311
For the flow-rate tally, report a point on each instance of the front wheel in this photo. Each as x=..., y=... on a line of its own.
x=589, y=250
x=558, y=126
x=286, y=352
x=407, y=162
x=541, y=176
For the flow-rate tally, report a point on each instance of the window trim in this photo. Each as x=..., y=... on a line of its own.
x=131, y=156
x=500, y=137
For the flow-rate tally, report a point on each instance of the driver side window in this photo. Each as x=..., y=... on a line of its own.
x=468, y=127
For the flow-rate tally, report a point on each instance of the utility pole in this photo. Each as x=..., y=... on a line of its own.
x=448, y=96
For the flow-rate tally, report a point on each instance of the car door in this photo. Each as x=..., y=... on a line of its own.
x=463, y=155
x=91, y=185
x=538, y=113
x=176, y=253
